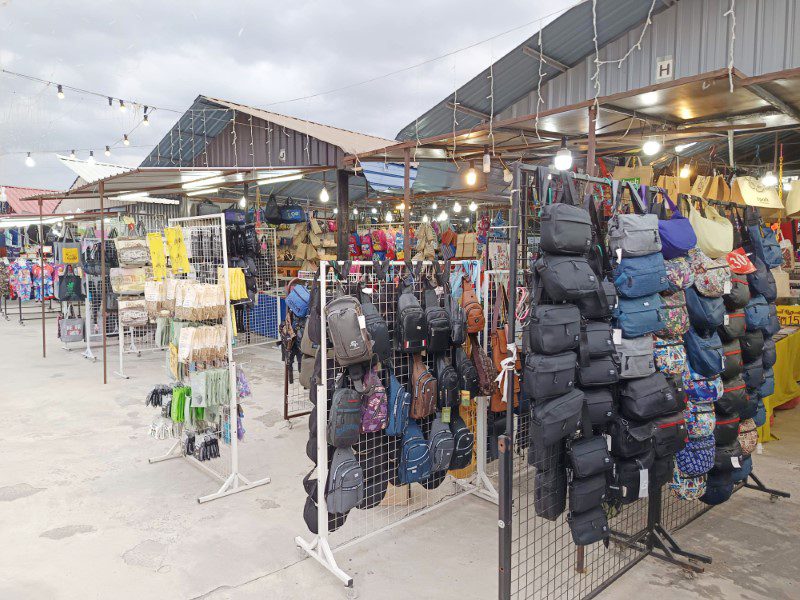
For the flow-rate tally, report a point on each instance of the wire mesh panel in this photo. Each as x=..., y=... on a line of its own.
x=676, y=512
x=257, y=319
x=296, y=401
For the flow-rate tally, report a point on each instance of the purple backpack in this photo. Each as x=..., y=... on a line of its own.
x=374, y=404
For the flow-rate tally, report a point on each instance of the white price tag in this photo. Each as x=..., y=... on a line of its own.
x=735, y=462
x=617, y=333
x=726, y=319
x=367, y=290
x=608, y=442
x=619, y=254
x=726, y=287
x=644, y=482
x=362, y=322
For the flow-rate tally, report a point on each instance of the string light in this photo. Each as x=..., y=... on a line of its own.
x=72, y=154
x=336, y=211
x=242, y=202
x=122, y=106
x=108, y=151
x=374, y=210
x=425, y=218
x=90, y=160
x=125, y=140
x=442, y=216
x=472, y=176
x=487, y=162
x=769, y=179
x=563, y=158
x=472, y=206
x=685, y=172
x=29, y=162
x=60, y=92
x=434, y=206
x=355, y=211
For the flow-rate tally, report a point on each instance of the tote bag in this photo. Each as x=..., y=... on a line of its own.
x=714, y=232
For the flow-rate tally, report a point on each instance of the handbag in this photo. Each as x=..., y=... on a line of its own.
x=565, y=278
x=641, y=276
x=763, y=241
x=704, y=352
x=556, y=419
x=677, y=234
x=680, y=273
x=71, y=328
x=546, y=377
x=636, y=357
x=629, y=438
x=711, y=277
x=632, y=234
x=739, y=294
x=705, y=314
x=70, y=288
x=714, y=232
x=553, y=328
x=640, y=316
x=565, y=228
x=762, y=281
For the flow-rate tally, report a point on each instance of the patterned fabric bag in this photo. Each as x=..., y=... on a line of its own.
x=680, y=273
x=700, y=420
x=697, y=458
x=685, y=487
x=374, y=404
x=712, y=278
x=670, y=356
x=702, y=390
x=677, y=315
x=748, y=436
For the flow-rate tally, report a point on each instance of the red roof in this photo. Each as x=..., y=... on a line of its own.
x=15, y=194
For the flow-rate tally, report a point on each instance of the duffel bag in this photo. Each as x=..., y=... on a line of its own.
x=601, y=406
x=599, y=339
x=697, y=458
x=565, y=229
x=680, y=273
x=739, y=295
x=556, y=419
x=600, y=371
x=629, y=438
x=553, y=328
x=600, y=304
x=686, y=487
x=641, y=276
x=752, y=344
x=586, y=493
x=705, y=314
x=704, y=353
x=732, y=351
x=636, y=357
x=566, y=278
x=550, y=492
x=588, y=527
x=700, y=420
x=711, y=277
x=676, y=319
x=646, y=398
x=547, y=377
x=762, y=281
x=728, y=457
x=768, y=354
x=719, y=488
x=733, y=326
x=640, y=316
x=670, y=355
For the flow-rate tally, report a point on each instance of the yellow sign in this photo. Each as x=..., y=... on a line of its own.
x=789, y=315
x=69, y=256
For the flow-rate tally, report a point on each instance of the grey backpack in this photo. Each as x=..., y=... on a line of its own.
x=636, y=357
x=442, y=445
x=344, y=418
x=345, y=482
x=633, y=234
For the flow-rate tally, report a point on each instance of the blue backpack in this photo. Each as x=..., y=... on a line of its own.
x=743, y=472
x=640, y=316
x=756, y=314
x=297, y=300
x=767, y=387
x=641, y=275
x=705, y=314
x=415, y=455
x=765, y=245
x=773, y=323
x=399, y=407
x=705, y=354
x=761, y=414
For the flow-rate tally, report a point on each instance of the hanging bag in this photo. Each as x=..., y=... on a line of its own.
x=70, y=288
x=565, y=278
x=641, y=276
x=631, y=235
x=714, y=232
x=704, y=352
x=677, y=234
x=705, y=314
x=763, y=241
x=291, y=212
x=424, y=390
x=566, y=228
x=640, y=316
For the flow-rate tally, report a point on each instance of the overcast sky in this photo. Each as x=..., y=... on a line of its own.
x=259, y=53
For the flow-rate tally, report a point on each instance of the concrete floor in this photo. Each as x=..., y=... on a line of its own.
x=84, y=515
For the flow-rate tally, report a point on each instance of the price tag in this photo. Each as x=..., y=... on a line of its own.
x=446, y=414
x=726, y=319
x=464, y=398
x=735, y=462
x=617, y=335
x=367, y=290
x=644, y=482
x=362, y=322
x=619, y=254
x=608, y=442
x=726, y=287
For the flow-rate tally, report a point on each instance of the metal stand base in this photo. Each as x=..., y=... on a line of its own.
x=664, y=547
x=320, y=550
x=759, y=486
x=232, y=484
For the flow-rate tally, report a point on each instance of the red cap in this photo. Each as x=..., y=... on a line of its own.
x=739, y=262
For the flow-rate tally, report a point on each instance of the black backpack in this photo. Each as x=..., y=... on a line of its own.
x=313, y=322
x=464, y=443
x=452, y=306
x=344, y=418
x=438, y=323
x=448, y=379
x=377, y=328
x=467, y=373
x=411, y=328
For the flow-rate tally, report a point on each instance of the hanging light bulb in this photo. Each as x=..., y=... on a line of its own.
x=472, y=206
x=90, y=160
x=651, y=146
x=355, y=211
x=72, y=154
x=425, y=218
x=125, y=140
x=324, y=196
x=108, y=151
x=456, y=207
x=374, y=210
x=466, y=220
x=563, y=158
x=685, y=172
x=434, y=206
x=122, y=107
x=508, y=176
x=472, y=176
x=242, y=202
x=401, y=207
x=336, y=211
x=29, y=162
x=110, y=101
x=769, y=179
x=681, y=147
x=388, y=216
x=442, y=216
x=487, y=162
x=146, y=121
x=60, y=92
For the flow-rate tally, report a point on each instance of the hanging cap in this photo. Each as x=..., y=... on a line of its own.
x=739, y=262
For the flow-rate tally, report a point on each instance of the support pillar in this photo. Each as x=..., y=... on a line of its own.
x=591, y=164
x=41, y=267
x=102, y=189
x=343, y=217
x=406, y=203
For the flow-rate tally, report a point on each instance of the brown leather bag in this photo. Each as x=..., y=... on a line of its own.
x=483, y=365
x=500, y=351
x=424, y=390
x=472, y=308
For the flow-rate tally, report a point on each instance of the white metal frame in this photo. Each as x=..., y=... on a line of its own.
x=319, y=548
x=235, y=482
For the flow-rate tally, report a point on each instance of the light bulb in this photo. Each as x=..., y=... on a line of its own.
x=425, y=218
x=60, y=92
x=29, y=162
x=355, y=211
x=472, y=176
x=442, y=216
x=374, y=210
x=681, y=147
x=487, y=163
x=434, y=206
x=125, y=140
x=336, y=211
x=324, y=196
x=651, y=146
x=146, y=121
x=72, y=154
x=769, y=179
x=110, y=101
x=466, y=220
x=472, y=206
x=508, y=176
x=685, y=172
x=90, y=160
x=122, y=106
x=563, y=159
x=456, y=207
x=242, y=202
x=389, y=217
x=787, y=185
x=108, y=151
x=401, y=206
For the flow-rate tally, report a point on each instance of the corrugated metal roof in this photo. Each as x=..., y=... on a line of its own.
x=89, y=172
x=568, y=40
x=14, y=195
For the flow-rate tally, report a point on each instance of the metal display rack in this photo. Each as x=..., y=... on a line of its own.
x=207, y=265
x=402, y=503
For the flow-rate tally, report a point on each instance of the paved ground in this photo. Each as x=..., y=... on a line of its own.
x=84, y=515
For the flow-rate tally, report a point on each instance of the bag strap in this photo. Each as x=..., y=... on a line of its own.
x=583, y=346
x=431, y=298
x=498, y=301
x=586, y=421
x=568, y=193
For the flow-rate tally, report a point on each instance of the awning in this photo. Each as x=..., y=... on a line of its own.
x=14, y=195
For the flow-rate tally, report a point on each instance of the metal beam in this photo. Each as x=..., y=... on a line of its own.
x=636, y=115
x=467, y=110
x=551, y=62
x=772, y=99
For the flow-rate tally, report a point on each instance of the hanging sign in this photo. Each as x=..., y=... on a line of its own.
x=788, y=315
x=69, y=256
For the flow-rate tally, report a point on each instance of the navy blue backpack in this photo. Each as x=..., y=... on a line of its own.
x=399, y=407
x=764, y=243
x=640, y=316
x=298, y=300
x=767, y=387
x=705, y=354
x=756, y=314
x=641, y=276
x=762, y=281
x=719, y=488
x=705, y=314
x=415, y=455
